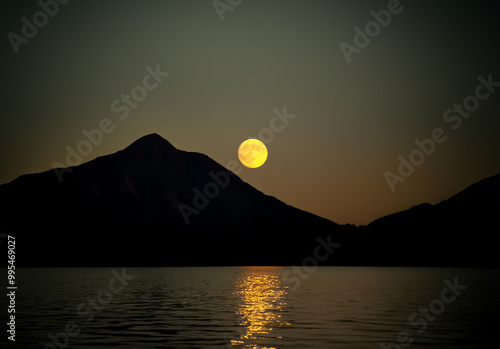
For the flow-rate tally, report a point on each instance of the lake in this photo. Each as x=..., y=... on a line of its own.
x=256, y=307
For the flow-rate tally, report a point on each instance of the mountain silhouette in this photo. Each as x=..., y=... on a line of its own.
x=458, y=231
x=146, y=206
x=151, y=204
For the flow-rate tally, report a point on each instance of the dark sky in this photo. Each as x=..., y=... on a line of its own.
x=352, y=119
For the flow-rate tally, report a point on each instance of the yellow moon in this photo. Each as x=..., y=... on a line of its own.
x=252, y=153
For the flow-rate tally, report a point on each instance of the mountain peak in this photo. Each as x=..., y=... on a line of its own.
x=152, y=140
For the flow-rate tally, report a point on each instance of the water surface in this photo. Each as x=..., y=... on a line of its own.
x=255, y=307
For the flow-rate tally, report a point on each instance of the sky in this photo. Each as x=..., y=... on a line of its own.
x=341, y=92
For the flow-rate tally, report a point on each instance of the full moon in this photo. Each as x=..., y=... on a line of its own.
x=252, y=153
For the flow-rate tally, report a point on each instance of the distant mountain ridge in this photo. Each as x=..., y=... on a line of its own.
x=458, y=231
x=151, y=204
